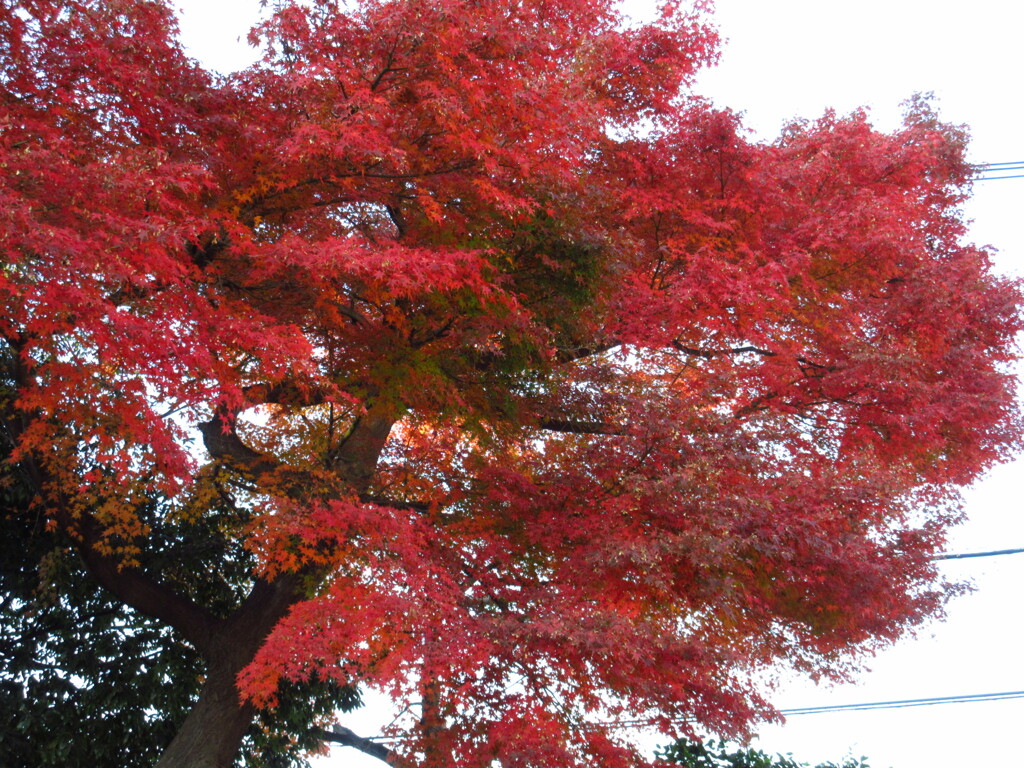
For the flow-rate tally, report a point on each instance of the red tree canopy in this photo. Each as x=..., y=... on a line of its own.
x=544, y=395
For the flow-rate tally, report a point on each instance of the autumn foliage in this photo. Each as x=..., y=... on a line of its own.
x=529, y=388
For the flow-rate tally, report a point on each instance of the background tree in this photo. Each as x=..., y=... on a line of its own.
x=697, y=754
x=455, y=350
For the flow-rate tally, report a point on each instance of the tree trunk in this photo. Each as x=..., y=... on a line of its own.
x=212, y=733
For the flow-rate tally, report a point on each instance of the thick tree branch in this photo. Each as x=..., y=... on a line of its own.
x=570, y=354
x=581, y=427
x=340, y=735
x=268, y=601
x=287, y=392
x=244, y=631
x=224, y=444
x=806, y=364
x=135, y=588
x=708, y=354
x=395, y=214
x=260, y=205
x=129, y=584
x=385, y=501
x=356, y=457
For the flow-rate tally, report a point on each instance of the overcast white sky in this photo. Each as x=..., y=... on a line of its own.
x=795, y=58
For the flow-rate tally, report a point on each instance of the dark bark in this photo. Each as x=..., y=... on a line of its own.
x=346, y=738
x=224, y=444
x=569, y=354
x=213, y=731
x=137, y=589
x=582, y=427
x=356, y=458
x=432, y=724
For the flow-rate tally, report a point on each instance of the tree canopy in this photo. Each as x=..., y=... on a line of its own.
x=458, y=350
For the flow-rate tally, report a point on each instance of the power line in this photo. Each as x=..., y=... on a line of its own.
x=902, y=703
x=967, y=698
x=984, y=171
x=964, y=555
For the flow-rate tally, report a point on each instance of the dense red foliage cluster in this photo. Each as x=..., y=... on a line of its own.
x=549, y=396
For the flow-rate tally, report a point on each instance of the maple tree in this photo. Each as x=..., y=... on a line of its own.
x=457, y=351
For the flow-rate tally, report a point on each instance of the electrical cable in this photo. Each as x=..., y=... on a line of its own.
x=964, y=555
x=984, y=171
x=968, y=698
x=902, y=703
x=863, y=707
